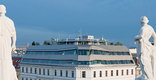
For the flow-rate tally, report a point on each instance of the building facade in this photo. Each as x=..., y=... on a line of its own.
x=77, y=62
x=17, y=57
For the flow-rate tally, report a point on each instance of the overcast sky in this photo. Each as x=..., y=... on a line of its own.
x=115, y=20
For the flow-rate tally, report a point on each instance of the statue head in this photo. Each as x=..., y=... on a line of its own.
x=144, y=20
x=2, y=10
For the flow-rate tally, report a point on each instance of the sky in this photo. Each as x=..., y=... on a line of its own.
x=115, y=20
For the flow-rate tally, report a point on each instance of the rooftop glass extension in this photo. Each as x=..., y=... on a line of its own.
x=74, y=62
x=78, y=52
x=83, y=40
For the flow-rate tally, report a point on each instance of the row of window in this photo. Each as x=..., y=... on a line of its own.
x=112, y=73
x=74, y=62
x=35, y=71
x=78, y=52
x=60, y=72
x=45, y=72
x=30, y=79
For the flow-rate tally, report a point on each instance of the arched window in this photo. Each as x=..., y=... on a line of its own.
x=106, y=73
x=122, y=72
x=111, y=72
x=83, y=74
x=100, y=73
x=94, y=74
x=131, y=71
x=55, y=73
x=127, y=71
x=117, y=72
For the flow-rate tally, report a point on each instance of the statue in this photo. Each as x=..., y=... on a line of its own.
x=146, y=51
x=7, y=46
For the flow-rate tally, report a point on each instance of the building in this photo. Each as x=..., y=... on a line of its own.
x=16, y=60
x=77, y=62
x=83, y=40
x=133, y=52
x=17, y=57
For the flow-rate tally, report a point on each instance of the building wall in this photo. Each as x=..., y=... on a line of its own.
x=28, y=75
x=90, y=73
x=16, y=62
x=18, y=73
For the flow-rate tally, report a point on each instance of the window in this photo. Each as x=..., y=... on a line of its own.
x=70, y=52
x=131, y=71
x=72, y=74
x=40, y=71
x=96, y=52
x=111, y=72
x=22, y=69
x=122, y=72
x=100, y=73
x=78, y=62
x=83, y=62
x=61, y=73
x=83, y=74
x=106, y=73
x=66, y=73
x=83, y=52
x=26, y=70
x=117, y=72
x=55, y=73
x=79, y=52
x=127, y=71
x=94, y=74
x=43, y=71
x=35, y=70
x=48, y=72
x=31, y=70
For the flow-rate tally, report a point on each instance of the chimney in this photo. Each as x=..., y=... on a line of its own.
x=111, y=44
x=27, y=44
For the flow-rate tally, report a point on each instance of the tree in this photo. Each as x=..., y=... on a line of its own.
x=103, y=43
x=33, y=43
x=118, y=44
x=37, y=43
x=53, y=41
x=46, y=43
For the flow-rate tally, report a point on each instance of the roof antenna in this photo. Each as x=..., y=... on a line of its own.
x=80, y=33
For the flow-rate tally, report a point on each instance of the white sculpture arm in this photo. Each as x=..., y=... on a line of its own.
x=139, y=36
x=154, y=38
x=13, y=38
x=14, y=42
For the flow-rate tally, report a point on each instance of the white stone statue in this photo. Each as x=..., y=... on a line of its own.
x=7, y=45
x=146, y=51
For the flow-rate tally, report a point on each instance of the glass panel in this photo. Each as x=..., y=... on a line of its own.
x=70, y=52
x=83, y=52
x=74, y=62
x=79, y=52
x=107, y=53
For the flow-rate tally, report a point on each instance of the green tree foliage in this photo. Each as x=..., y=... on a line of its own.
x=46, y=43
x=104, y=43
x=37, y=43
x=33, y=43
x=118, y=44
x=53, y=41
